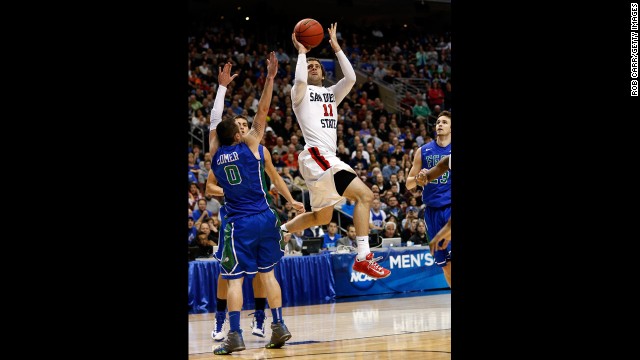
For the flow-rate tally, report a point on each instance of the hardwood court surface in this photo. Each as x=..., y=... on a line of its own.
x=407, y=328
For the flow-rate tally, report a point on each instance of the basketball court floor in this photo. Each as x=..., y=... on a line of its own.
x=407, y=327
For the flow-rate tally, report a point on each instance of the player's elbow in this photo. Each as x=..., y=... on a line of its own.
x=350, y=77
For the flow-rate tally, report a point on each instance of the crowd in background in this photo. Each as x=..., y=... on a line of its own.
x=379, y=143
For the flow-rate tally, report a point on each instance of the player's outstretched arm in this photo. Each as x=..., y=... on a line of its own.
x=224, y=78
x=344, y=85
x=253, y=137
x=301, y=76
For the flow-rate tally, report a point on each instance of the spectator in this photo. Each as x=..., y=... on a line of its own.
x=377, y=216
x=282, y=57
x=393, y=207
x=214, y=226
x=370, y=87
x=296, y=143
x=294, y=245
x=193, y=232
x=331, y=237
x=343, y=153
x=276, y=159
x=359, y=162
x=408, y=101
x=420, y=236
x=421, y=111
x=210, y=238
x=280, y=146
x=391, y=168
x=269, y=138
x=314, y=231
x=194, y=195
x=436, y=95
x=390, y=230
x=193, y=165
x=350, y=239
x=201, y=214
x=291, y=160
x=409, y=229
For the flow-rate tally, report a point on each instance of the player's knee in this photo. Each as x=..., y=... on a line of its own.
x=365, y=196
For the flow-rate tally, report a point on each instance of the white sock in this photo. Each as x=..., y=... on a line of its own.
x=363, y=247
x=283, y=227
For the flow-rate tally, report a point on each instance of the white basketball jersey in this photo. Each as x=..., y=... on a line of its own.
x=317, y=115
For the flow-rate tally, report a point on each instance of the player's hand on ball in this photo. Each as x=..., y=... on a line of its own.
x=301, y=48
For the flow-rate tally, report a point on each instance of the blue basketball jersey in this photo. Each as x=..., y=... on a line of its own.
x=377, y=219
x=436, y=193
x=241, y=176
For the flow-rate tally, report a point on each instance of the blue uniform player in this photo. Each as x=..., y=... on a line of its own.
x=248, y=215
x=252, y=239
x=436, y=193
x=259, y=293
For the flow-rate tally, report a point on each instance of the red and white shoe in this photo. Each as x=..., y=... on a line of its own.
x=370, y=267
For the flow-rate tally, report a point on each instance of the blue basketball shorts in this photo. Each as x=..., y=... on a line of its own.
x=250, y=244
x=436, y=218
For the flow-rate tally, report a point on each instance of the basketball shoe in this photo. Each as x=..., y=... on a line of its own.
x=217, y=333
x=233, y=343
x=279, y=334
x=257, y=324
x=370, y=267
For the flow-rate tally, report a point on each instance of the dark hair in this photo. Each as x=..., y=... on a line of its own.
x=226, y=131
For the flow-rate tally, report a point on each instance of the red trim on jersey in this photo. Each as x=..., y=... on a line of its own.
x=320, y=160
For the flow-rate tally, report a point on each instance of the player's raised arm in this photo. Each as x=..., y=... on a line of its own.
x=300, y=82
x=224, y=78
x=344, y=85
x=253, y=137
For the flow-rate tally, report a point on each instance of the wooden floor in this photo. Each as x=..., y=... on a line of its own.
x=416, y=327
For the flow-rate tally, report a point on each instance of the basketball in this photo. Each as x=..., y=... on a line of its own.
x=309, y=33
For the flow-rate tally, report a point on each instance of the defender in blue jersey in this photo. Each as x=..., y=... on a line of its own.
x=440, y=244
x=252, y=239
x=259, y=293
x=436, y=193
